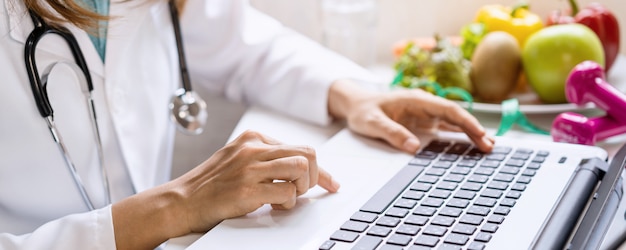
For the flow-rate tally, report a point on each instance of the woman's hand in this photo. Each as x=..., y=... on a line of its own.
x=249, y=172
x=395, y=116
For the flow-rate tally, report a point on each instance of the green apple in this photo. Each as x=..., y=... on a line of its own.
x=551, y=53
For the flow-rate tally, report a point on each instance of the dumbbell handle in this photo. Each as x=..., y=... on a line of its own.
x=586, y=83
x=575, y=128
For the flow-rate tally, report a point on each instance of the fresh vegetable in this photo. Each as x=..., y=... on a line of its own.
x=472, y=34
x=496, y=66
x=443, y=64
x=550, y=54
x=600, y=20
x=517, y=21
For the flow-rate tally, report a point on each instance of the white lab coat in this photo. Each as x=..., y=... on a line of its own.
x=231, y=49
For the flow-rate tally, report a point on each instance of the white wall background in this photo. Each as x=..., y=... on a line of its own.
x=400, y=19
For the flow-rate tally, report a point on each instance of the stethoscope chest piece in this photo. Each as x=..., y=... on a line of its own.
x=188, y=110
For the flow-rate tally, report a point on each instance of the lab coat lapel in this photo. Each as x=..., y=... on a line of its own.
x=128, y=18
x=21, y=25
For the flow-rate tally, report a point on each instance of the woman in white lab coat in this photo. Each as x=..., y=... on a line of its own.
x=231, y=49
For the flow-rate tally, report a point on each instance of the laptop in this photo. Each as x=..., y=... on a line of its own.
x=526, y=194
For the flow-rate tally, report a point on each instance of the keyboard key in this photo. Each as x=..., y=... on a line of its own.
x=471, y=186
x=458, y=148
x=464, y=229
x=539, y=159
x=435, y=171
x=397, y=212
x=425, y=211
x=458, y=203
x=465, y=194
x=354, y=226
x=413, y=195
x=489, y=228
x=327, y=245
x=427, y=155
x=416, y=220
x=509, y=170
x=507, y=202
x=486, y=202
x=529, y=172
x=524, y=179
x=461, y=170
x=449, y=157
x=478, y=210
x=387, y=221
x=399, y=239
x=432, y=202
x=408, y=229
x=447, y=246
x=467, y=163
x=476, y=246
x=498, y=185
x=435, y=230
x=515, y=163
x=392, y=189
x=345, y=236
x=368, y=242
x=451, y=212
x=454, y=178
x=364, y=217
x=471, y=219
x=484, y=171
x=426, y=240
x=543, y=153
x=457, y=239
x=518, y=187
x=442, y=164
x=513, y=194
x=497, y=219
x=405, y=203
x=522, y=155
x=441, y=194
x=483, y=237
x=533, y=166
x=442, y=221
x=490, y=164
x=478, y=178
x=491, y=193
x=504, y=177
x=421, y=187
x=446, y=185
x=379, y=231
x=496, y=157
x=390, y=247
x=428, y=179
x=502, y=210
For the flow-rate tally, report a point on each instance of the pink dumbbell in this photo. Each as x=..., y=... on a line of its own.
x=576, y=128
x=585, y=84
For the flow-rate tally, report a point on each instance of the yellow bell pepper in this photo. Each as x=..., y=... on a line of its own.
x=517, y=21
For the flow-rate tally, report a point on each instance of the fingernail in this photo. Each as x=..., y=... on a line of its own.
x=411, y=145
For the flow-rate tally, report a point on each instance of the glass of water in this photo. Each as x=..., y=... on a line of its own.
x=349, y=28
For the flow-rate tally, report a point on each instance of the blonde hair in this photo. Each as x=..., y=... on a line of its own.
x=71, y=12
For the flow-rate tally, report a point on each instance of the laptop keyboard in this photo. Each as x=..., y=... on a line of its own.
x=449, y=196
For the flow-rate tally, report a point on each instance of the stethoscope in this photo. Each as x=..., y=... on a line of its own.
x=187, y=109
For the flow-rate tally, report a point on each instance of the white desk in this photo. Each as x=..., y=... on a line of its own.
x=292, y=131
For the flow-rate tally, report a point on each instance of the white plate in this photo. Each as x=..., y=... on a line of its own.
x=529, y=104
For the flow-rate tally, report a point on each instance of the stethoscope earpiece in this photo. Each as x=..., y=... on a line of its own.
x=188, y=111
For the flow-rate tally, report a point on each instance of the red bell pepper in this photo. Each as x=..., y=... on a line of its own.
x=597, y=18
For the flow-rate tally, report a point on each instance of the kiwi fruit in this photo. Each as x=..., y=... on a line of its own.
x=496, y=66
